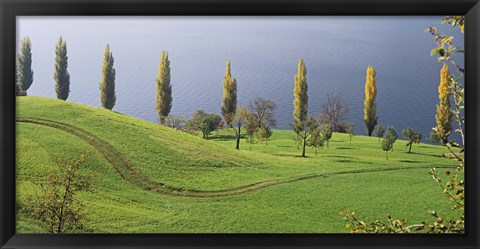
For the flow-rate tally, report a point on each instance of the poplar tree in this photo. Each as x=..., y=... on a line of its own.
x=370, y=111
x=61, y=75
x=300, y=102
x=107, y=83
x=164, y=88
x=24, y=65
x=302, y=126
x=444, y=114
x=229, y=102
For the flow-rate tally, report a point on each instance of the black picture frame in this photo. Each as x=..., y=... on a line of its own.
x=9, y=9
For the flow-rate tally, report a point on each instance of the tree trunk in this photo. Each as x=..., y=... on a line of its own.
x=238, y=138
x=304, y=144
x=410, y=148
x=387, y=154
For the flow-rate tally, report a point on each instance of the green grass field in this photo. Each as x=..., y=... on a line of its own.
x=152, y=179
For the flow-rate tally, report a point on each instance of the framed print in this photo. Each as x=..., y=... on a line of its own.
x=257, y=124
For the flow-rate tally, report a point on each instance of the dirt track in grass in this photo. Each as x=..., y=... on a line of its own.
x=131, y=174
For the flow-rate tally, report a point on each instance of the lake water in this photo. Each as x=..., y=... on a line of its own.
x=264, y=52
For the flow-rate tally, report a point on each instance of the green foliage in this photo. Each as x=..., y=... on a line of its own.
x=107, y=83
x=304, y=130
x=350, y=130
x=210, y=123
x=265, y=133
x=412, y=136
x=204, y=122
x=24, y=74
x=164, y=88
x=61, y=75
x=434, y=138
x=316, y=139
x=251, y=128
x=379, y=131
x=18, y=91
x=389, y=138
x=229, y=102
x=193, y=124
x=326, y=132
x=58, y=209
x=300, y=102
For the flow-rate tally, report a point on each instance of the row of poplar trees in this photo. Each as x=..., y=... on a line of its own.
x=24, y=72
x=61, y=76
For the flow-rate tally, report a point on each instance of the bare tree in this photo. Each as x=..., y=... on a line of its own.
x=334, y=111
x=238, y=121
x=262, y=110
x=175, y=122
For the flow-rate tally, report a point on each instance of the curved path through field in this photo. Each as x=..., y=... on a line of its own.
x=130, y=173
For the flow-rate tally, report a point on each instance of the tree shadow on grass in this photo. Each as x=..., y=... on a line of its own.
x=424, y=154
x=285, y=146
x=344, y=148
x=224, y=138
x=338, y=156
x=409, y=161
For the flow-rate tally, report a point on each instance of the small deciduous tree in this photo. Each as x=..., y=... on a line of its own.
x=237, y=122
x=265, y=133
x=107, y=83
x=326, y=132
x=434, y=138
x=164, y=88
x=251, y=128
x=389, y=139
x=175, y=122
x=24, y=65
x=61, y=75
x=192, y=126
x=262, y=110
x=59, y=209
x=209, y=123
x=370, y=110
x=204, y=122
x=316, y=139
x=229, y=102
x=350, y=130
x=304, y=130
x=412, y=136
x=379, y=131
x=334, y=111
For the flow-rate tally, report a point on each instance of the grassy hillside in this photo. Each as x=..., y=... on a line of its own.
x=149, y=178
